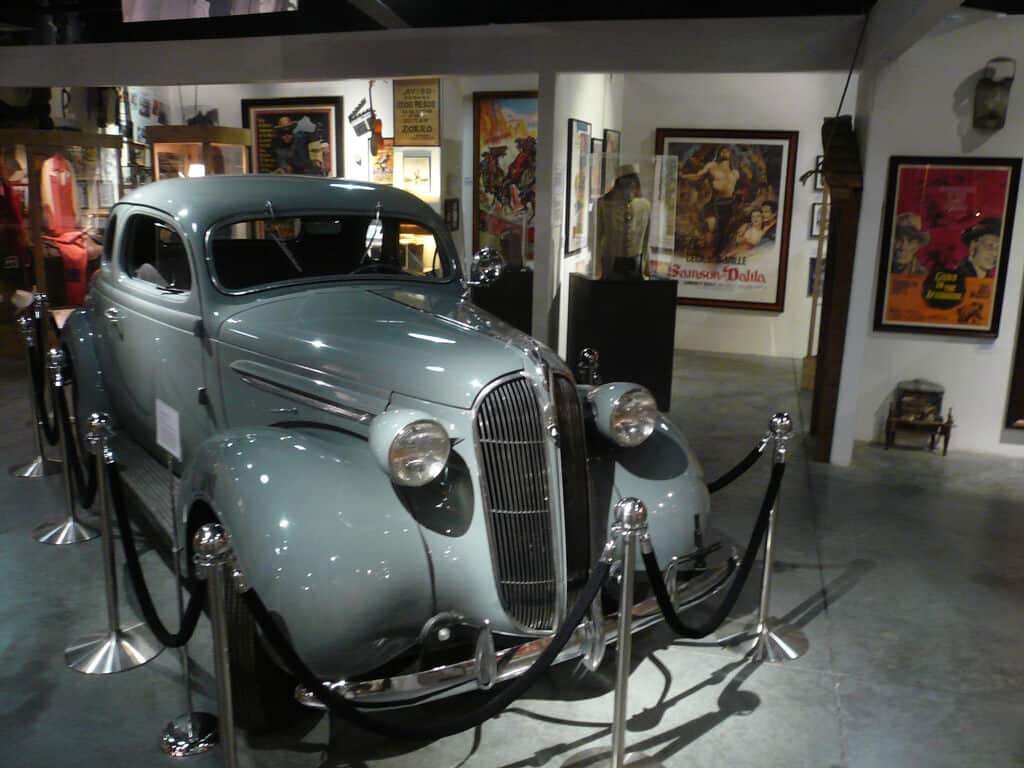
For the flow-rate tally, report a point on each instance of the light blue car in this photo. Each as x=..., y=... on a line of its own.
x=407, y=481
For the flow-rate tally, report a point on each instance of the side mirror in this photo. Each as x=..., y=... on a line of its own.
x=486, y=267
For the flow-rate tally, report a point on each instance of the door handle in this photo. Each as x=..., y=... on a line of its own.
x=112, y=314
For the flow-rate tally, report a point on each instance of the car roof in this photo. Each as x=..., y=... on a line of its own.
x=207, y=200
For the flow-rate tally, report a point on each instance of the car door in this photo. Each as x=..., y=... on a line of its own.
x=152, y=318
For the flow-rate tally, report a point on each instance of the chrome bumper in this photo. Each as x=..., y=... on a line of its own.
x=512, y=662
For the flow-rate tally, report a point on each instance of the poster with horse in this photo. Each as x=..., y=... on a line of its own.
x=504, y=195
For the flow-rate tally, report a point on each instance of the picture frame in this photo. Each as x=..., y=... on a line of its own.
x=416, y=105
x=946, y=237
x=577, y=185
x=382, y=165
x=298, y=135
x=416, y=172
x=596, y=166
x=504, y=181
x=819, y=173
x=451, y=213
x=612, y=150
x=815, y=228
x=733, y=213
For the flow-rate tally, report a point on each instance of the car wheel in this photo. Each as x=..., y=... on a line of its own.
x=262, y=692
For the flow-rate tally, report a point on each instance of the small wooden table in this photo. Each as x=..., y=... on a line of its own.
x=934, y=427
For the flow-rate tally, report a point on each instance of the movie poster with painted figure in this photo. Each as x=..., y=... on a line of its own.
x=504, y=195
x=294, y=136
x=733, y=205
x=946, y=242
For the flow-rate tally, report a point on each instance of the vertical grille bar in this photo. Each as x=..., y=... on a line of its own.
x=512, y=447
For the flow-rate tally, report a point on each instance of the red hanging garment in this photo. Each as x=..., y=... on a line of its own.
x=72, y=250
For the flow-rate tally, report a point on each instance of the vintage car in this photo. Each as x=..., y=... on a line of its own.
x=416, y=490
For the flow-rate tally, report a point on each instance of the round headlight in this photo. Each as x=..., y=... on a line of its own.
x=633, y=417
x=418, y=453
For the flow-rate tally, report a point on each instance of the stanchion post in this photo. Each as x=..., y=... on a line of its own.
x=193, y=732
x=40, y=466
x=773, y=641
x=631, y=526
x=71, y=530
x=119, y=648
x=213, y=556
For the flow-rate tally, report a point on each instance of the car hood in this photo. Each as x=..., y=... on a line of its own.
x=424, y=342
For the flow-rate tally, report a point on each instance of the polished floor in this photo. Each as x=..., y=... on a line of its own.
x=905, y=572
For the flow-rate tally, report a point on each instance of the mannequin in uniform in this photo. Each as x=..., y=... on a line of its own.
x=623, y=223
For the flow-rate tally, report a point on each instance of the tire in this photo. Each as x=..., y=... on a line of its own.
x=262, y=692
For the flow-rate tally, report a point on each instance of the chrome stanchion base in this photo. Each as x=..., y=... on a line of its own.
x=600, y=757
x=774, y=643
x=185, y=736
x=110, y=652
x=40, y=466
x=70, y=531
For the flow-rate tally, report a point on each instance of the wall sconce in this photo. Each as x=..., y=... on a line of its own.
x=992, y=94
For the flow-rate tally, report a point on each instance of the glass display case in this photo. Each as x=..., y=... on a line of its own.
x=632, y=216
x=56, y=192
x=186, y=150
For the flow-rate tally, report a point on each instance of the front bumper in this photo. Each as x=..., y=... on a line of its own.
x=512, y=662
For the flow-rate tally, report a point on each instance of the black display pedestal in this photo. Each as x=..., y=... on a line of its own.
x=509, y=298
x=632, y=325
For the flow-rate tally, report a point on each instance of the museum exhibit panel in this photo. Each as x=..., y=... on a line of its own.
x=416, y=381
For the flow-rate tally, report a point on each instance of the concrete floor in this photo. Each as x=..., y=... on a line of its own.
x=906, y=573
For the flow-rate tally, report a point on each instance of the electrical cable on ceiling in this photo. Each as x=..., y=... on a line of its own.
x=842, y=99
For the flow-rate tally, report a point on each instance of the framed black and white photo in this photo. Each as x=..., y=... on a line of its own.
x=817, y=210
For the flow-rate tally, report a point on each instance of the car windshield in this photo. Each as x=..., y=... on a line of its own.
x=263, y=252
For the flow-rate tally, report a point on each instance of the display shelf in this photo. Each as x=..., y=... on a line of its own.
x=180, y=150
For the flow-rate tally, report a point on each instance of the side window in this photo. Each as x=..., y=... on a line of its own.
x=109, y=235
x=154, y=252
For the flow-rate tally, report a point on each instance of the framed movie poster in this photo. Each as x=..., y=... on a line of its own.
x=945, y=244
x=504, y=185
x=733, y=207
x=417, y=112
x=382, y=165
x=296, y=135
x=596, y=163
x=577, y=190
x=612, y=147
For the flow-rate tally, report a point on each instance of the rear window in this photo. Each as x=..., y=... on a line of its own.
x=264, y=252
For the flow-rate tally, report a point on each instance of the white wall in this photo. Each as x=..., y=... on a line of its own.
x=917, y=110
x=782, y=101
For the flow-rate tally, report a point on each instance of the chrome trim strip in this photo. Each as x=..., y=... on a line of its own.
x=273, y=387
x=463, y=676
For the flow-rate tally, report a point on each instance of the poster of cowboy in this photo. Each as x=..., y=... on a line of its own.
x=297, y=135
x=504, y=197
x=731, y=236
x=945, y=244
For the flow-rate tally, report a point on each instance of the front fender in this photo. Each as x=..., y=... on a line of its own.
x=664, y=473
x=320, y=534
x=79, y=336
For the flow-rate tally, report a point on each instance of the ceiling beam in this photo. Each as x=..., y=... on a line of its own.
x=380, y=12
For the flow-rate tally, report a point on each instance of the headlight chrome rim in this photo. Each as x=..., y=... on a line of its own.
x=418, y=453
x=633, y=417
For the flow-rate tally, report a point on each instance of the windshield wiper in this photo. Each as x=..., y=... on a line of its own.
x=278, y=241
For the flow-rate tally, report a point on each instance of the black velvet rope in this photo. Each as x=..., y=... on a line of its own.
x=36, y=366
x=346, y=710
x=85, y=484
x=739, y=580
x=196, y=600
x=746, y=463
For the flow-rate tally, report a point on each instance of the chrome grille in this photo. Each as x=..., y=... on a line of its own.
x=515, y=485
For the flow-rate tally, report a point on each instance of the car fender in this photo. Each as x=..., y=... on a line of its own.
x=79, y=337
x=319, y=533
x=666, y=476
